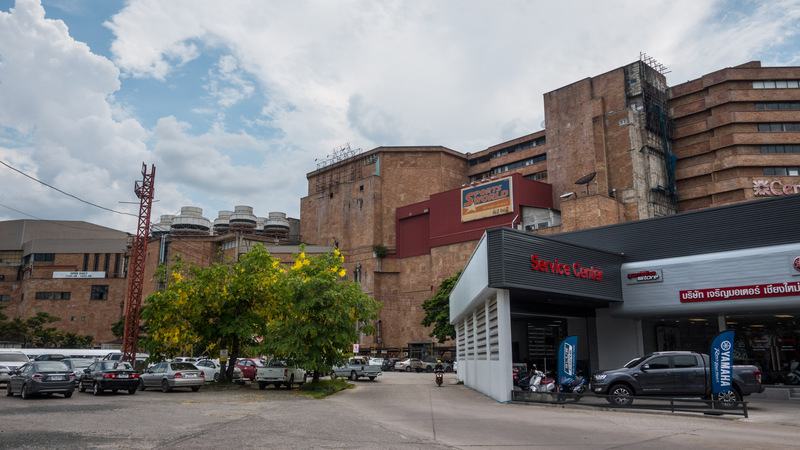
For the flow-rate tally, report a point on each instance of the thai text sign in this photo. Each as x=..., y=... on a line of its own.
x=486, y=200
x=741, y=292
x=722, y=362
x=79, y=274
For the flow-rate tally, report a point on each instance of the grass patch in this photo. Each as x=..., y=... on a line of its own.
x=324, y=388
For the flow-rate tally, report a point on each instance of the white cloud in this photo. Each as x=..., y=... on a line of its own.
x=463, y=74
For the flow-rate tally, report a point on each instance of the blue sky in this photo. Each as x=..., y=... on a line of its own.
x=233, y=105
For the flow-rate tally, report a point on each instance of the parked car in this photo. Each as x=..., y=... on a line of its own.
x=13, y=359
x=430, y=363
x=249, y=367
x=170, y=375
x=355, y=368
x=211, y=369
x=388, y=364
x=375, y=361
x=109, y=375
x=408, y=365
x=5, y=373
x=280, y=372
x=673, y=374
x=41, y=377
x=50, y=357
x=76, y=365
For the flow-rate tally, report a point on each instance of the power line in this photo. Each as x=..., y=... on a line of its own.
x=45, y=220
x=65, y=193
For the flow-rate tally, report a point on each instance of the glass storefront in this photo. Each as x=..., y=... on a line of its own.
x=771, y=342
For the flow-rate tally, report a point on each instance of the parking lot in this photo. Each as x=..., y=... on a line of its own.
x=397, y=410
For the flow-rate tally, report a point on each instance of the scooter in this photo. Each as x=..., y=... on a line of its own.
x=577, y=388
x=439, y=378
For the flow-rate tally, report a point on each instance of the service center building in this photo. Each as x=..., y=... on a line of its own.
x=669, y=283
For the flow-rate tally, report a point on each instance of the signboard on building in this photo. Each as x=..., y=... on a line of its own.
x=77, y=274
x=487, y=200
x=741, y=292
x=644, y=276
x=774, y=187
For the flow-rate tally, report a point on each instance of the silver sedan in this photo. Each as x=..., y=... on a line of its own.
x=170, y=375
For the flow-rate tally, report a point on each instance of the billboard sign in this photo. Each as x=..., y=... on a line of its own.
x=487, y=200
x=567, y=360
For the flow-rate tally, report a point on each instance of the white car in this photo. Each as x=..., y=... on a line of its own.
x=375, y=361
x=211, y=370
x=11, y=360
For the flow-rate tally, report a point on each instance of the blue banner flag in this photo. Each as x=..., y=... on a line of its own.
x=722, y=362
x=567, y=360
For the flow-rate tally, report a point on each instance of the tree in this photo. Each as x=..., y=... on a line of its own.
x=317, y=316
x=213, y=308
x=38, y=335
x=437, y=311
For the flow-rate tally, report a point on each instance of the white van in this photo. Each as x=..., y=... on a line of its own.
x=10, y=360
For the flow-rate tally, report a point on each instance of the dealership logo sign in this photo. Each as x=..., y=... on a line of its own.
x=796, y=264
x=644, y=276
x=774, y=187
x=558, y=268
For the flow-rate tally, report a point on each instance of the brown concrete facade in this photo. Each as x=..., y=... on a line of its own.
x=720, y=147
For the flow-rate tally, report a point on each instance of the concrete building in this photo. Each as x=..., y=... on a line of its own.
x=70, y=269
x=617, y=147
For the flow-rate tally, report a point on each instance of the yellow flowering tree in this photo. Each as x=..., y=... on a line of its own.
x=222, y=306
x=318, y=316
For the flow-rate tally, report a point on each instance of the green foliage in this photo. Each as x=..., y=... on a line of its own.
x=324, y=388
x=380, y=250
x=437, y=311
x=32, y=332
x=306, y=313
x=316, y=315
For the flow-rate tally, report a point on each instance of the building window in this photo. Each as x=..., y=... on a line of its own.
x=99, y=292
x=116, y=265
x=96, y=261
x=52, y=295
x=787, y=148
x=537, y=176
x=776, y=84
x=777, y=106
x=106, y=263
x=5, y=297
x=782, y=171
x=507, y=150
x=85, y=262
x=44, y=257
x=788, y=126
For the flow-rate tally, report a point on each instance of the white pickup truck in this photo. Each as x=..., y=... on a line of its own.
x=280, y=372
x=355, y=368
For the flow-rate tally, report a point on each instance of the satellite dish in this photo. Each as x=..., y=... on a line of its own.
x=587, y=178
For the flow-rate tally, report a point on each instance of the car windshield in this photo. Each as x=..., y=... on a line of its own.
x=13, y=357
x=51, y=366
x=182, y=366
x=634, y=362
x=80, y=362
x=117, y=365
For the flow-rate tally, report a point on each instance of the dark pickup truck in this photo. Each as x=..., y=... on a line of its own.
x=673, y=374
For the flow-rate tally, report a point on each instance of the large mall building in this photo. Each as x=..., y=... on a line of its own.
x=616, y=148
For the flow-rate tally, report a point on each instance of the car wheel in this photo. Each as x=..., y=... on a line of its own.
x=67, y=394
x=131, y=391
x=262, y=385
x=305, y=377
x=290, y=384
x=429, y=369
x=24, y=392
x=728, y=400
x=81, y=387
x=8, y=389
x=195, y=388
x=353, y=375
x=141, y=385
x=620, y=395
x=165, y=386
x=96, y=389
x=371, y=378
x=216, y=377
x=448, y=369
x=408, y=369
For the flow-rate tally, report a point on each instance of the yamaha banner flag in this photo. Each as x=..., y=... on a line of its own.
x=567, y=360
x=722, y=362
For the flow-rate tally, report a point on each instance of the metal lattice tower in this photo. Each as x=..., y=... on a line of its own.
x=133, y=303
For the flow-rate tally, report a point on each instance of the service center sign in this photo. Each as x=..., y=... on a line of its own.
x=487, y=200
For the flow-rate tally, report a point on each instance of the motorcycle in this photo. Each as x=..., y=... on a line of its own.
x=439, y=378
x=577, y=388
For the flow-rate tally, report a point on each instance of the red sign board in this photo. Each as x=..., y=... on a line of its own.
x=741, y=292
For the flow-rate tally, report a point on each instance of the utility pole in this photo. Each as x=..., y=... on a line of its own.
x=133, y=304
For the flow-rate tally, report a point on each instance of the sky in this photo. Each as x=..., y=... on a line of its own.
x=235, y=102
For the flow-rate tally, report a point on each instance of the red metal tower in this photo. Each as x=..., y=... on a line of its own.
x=133, y=304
